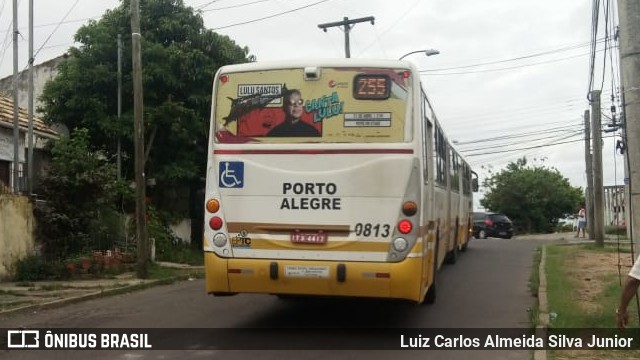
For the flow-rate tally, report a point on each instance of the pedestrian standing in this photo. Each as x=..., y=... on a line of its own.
x=582, y=221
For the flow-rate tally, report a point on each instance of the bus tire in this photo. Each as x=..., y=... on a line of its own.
x=452, y=256
x=464, y=247
x=430, y=297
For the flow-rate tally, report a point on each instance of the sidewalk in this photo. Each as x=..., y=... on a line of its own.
x=34, y=295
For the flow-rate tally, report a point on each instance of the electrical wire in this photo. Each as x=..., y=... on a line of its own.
x=519, y=135
x=392, y=26
x=502, y=145
x=607, y=42
x=430, y=73
x=594, y=33
x=54, y=30
x=270, y=16
x=6, y=43
x=522, y=57
x=532, y=147
x=235, y=6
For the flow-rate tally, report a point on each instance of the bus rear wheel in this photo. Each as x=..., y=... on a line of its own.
x=452, y=256
x=430, y=297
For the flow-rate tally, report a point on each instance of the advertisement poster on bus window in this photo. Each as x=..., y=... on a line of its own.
x=342, y=105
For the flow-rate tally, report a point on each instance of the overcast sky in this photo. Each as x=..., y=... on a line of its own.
x=505, y=68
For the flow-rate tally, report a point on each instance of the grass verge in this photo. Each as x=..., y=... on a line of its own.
x=582, y=296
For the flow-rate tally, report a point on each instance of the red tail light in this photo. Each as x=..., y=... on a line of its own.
x=215, y=223
x=405, y=226
x=488, y=222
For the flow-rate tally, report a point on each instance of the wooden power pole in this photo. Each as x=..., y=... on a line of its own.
x=598, y=186
x=348, y=24
x=589, y=170
x=629, y=19
x=138, y=138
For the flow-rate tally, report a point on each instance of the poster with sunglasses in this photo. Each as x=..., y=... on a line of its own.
x=274, y=111
x=280, y=106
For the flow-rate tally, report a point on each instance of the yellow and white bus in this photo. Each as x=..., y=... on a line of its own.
x=330, y=178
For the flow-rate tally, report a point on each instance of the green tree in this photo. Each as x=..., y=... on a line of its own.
x=79, y=185
x=535, y=197
x=179, y=58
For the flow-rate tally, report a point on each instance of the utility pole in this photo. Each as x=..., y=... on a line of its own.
x=16, y=121
x=598, y=195
x=119, y=159
x=589, y=168
x=629, y=19
x=348, y=25
x=138, y=138
x=30, y=107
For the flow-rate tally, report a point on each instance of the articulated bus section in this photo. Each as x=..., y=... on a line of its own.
x=323, y=179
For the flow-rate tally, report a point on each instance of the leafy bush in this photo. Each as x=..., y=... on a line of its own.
x=81, y=193
x=37, y=268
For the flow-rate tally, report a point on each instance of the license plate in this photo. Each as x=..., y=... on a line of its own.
x=503, y=233
x=309, y=237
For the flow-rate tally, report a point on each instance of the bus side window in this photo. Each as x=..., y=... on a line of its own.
x=426, y=125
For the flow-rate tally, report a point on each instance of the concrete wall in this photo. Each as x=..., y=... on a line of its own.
x=16, y=231
x=182, y=230
x=42, y=74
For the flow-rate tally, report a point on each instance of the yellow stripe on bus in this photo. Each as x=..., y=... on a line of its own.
x=268, y=244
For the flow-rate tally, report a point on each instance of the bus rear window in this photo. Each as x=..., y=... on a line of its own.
x=345, y=105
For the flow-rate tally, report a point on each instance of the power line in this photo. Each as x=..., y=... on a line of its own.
x=236, y=6
x=59, y=23
x=200, y=7
x=529, y=56
x=555, y=136
x=5, y=43
x=392, y=26
x=270, y=16
x=595, y=14
x=518, y=135
x=430, y=73
x=534, y=147
x=54, y=30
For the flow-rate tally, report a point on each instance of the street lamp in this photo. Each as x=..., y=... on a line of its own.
x=426, y=52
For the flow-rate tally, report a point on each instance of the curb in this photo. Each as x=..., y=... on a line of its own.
x=543, y=306
x=97, y=294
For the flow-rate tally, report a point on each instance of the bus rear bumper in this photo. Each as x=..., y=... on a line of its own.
x=303, y=277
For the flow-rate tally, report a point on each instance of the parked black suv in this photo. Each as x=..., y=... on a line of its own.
x=489, y=224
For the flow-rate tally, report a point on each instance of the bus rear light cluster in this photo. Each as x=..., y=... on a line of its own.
x=215, y=223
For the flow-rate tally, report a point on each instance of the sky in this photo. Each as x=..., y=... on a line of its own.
x=511, y=78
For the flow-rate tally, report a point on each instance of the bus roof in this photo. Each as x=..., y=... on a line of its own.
x=334, y=62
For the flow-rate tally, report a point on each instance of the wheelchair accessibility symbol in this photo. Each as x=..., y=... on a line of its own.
x=231, y=174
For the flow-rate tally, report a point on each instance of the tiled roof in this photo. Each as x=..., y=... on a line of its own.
x=6, y=120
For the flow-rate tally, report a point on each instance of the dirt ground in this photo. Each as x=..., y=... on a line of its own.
x=591, y=271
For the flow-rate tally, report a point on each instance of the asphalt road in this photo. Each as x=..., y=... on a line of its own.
x=486, y=288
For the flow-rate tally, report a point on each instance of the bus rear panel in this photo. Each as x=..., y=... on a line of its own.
x=315, y=183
